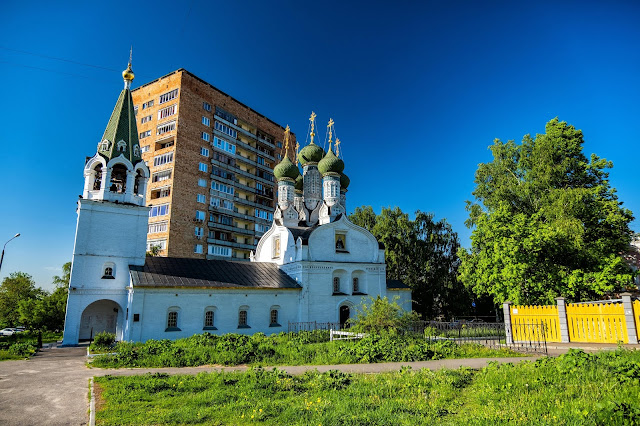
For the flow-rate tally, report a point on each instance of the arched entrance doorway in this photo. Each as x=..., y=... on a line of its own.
x=101, y=315
x=345, y=313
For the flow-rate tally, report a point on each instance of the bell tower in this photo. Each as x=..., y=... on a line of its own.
x=111, y=231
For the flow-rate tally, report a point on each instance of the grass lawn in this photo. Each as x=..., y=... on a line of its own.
x=573, y=389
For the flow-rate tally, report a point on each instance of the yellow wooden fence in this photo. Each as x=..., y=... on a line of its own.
x=526, y=320
x=597, y=322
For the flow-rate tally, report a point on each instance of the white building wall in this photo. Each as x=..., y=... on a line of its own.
x=153, y=306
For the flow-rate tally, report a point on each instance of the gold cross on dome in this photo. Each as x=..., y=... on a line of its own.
x=338, y=146
x=312, y=119
x=330, y=128
x=286, y=139
x=297, y=147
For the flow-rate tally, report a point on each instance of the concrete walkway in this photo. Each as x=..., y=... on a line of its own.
x=52, y=387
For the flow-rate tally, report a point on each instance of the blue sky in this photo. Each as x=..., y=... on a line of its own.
x=418, y=91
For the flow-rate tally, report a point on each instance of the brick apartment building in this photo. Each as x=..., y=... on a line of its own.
x=211, y=159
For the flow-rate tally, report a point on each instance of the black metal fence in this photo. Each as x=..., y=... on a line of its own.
x=492, y=335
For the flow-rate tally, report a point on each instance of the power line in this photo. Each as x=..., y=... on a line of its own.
x=58, y=59
x=53, y=71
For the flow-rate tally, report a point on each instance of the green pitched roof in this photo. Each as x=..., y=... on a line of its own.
x=121, y=127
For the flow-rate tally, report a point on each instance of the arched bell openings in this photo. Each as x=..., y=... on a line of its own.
x=109, y=271
x=94, y=174
x=141, y=179
x=118, y=181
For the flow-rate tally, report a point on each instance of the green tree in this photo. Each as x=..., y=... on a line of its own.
x=46, y=311
x=14, y=288
x=381, y=315
x=63, y=280
x=547, y=222
x=423, y=254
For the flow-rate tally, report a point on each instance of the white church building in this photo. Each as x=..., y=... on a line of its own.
x=313, y=265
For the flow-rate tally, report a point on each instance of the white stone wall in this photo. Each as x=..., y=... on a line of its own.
x=153, y=306
x=404, y=298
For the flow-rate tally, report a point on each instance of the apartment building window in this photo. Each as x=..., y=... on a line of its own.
x=144, y=134
x=206, y=121
x=225, y=115
x=201, y=198
x=260, y=160
x=197, y=249
x=206, y=137
x=166, y=127
x=167, y=112
x=259, y=187
x=161, y=159
x=154, y=228
x=224, y=145
x=221, y=203
x=223, y=158
x=161, y=176
x=169, y=96
x=199, y=232
x=215, y=250
x=160, y=193
x=202, y=182
x=223, y=128
x=279, y=144
x=222, y=173
x=227, y=189
x=199, y=216
x=206, y=106
x=160, y=210
x=160, y=244
x=264, y=215
x=145, y=148
x=147, y=104
x=279, y=157
x=203, y=167
x=145, y=119
x=204, y=152
x=135, y=110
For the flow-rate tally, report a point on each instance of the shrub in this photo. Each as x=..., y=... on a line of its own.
x=104, y=339
x=22, y=349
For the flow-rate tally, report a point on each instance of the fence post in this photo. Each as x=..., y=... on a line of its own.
x=506, y=308
x=629, y=318
x=562, y=318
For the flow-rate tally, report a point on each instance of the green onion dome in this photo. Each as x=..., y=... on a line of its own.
x=286, y=169
x=344, y=181
x=330, y=163
x=299, y=183
x=311, y=153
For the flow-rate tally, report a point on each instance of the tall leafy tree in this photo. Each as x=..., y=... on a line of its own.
x=546, y=221
x=14, y=288
x=46, y=311
x=423, y=254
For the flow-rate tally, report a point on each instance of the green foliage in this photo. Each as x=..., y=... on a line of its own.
x=423, y=254
x=46, y=311
x=380, y=315
x=545, y=392
x=104, y=340
x=282, y=349
x=17, y=287
x=547, y=223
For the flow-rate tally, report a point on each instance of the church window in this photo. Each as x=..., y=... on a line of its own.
x=172, y=319
x=108, y=272
x=168, y=96
x=122, y=146
x=105, y=146
x=336, y=285
x=341, y=242
x=209, y=319
x=276, y=246
x=136, y=150
x=273, y=317
x=243, y=317
x=356, y=285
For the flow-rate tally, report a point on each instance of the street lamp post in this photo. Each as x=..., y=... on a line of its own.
x=5, y=245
